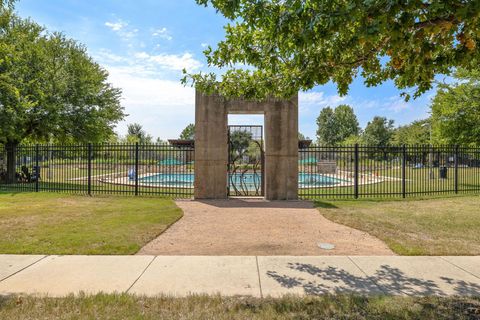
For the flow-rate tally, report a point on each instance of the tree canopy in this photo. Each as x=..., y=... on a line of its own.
x=136, y=133
x=456, y=110
x=188, y=133
x=417, y=132
x=326, y=127
x=378, y=132
x=239, y=142
x=6, y=4
x=50, y=89
x=294, y=45
x=336, y=125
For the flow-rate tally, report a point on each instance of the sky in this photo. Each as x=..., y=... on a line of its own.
x=145, y=44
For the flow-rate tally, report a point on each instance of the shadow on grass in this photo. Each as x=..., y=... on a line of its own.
x=4, y=299
x=324, y=205
x=11, y=193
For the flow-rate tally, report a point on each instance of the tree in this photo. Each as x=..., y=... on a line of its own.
x=50, y=89
x=456, y=110
x=326, y=131
x=188, y=133
x=417, y=132
x=254, y=151
x=160, y=141
x=136, y=134
x=334, y=126
x=353, y=140
x=295, y=45
x=240, y=141
x=378, y=132
x=6, y=4
x=346, y=122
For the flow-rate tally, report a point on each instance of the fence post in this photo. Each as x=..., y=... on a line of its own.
x=456, y=168
x=404, y=164
x=37, y=169
x=136, y=168
x=355, y=187
x=89, y=169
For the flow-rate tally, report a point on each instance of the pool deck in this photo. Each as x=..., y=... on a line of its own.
x=259, y=276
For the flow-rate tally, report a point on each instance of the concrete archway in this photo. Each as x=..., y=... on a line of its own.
x=211, y=145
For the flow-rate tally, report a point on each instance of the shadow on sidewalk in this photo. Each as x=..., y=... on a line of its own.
x=389, y=280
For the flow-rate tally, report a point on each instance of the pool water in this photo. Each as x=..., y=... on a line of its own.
x=250, y=180
x=308, y=180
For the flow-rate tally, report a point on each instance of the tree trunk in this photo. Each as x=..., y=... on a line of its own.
x=11, y=149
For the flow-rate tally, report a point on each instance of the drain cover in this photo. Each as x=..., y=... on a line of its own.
x=326, y=246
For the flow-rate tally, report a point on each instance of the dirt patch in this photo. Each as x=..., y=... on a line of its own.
x=257, y=227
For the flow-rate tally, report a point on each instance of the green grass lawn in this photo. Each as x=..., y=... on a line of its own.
x=418, y=182
x=204, y=307
x=439, y=226
x=50, y=223
x=73, y=178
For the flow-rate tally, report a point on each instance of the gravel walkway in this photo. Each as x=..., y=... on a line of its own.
x=258, y=227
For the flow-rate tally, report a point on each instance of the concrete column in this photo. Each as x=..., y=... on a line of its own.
x=211, y=147
x=281, y=150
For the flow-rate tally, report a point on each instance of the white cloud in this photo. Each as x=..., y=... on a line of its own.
x=109, y=57
x=148, y=65
x=116, y=26
x=142, y=90
x=148, y=61
x=163, y=107
x=142, y=55
x=152, y=94
x=171, y=61
x=162, y=33
x=318, y=100
x=122, y=29
x=367, y=104
x=396, y=104
x=204, y=45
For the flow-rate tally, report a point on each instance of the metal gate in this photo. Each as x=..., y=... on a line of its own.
x=245, y=161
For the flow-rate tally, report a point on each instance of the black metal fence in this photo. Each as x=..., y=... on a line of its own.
x=168, y=170
x=132, y=169
x=390, y=171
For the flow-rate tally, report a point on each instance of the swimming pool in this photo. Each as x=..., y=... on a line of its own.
x=249, y=180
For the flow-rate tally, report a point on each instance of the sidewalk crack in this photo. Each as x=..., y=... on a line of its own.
x=259, y=281
x=141, y=274
x=31, y=264
x=366, y=275
x=453, y=264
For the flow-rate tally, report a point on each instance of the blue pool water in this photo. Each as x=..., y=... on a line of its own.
x=185, y=180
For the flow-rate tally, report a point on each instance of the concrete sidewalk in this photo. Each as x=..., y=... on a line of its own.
x=239, y=275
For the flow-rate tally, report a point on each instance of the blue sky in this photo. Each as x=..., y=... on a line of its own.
x=145, y=44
